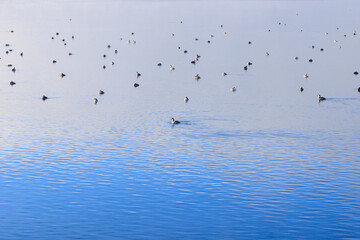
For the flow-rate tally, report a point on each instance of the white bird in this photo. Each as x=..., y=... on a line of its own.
x=171, y=68
x=233, y=89
x=95, y=100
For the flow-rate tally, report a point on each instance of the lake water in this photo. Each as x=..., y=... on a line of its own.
x=264, y=162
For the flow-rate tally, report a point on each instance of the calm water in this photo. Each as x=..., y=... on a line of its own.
x=266, y=161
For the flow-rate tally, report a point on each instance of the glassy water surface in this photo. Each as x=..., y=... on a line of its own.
x=265, y=161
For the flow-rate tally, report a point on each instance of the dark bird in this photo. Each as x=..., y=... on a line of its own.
x=173, y=121
x=62, y=75
x=101, y=92
x=301, y=89
x=44, y=97
x=136, y=85
x=12, y=83
x=320, y=98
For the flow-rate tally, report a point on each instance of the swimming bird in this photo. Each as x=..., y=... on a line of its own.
x=245, y=68
x=109, y=46
x=267, y=54
x=224, y=74
x=310, y=60
x=12, y=83
x=44, y=97
x=21, y=54
x=359, y=89
x=104, y=66
x=173, y=121
x=96, y=100
x=138, y=74
x=185, y=51
x=193, y=62
x=320, y=98
x=296, y=58
x=197, y=77
x=70, y=54
x=171, y=68
x=14, y=69
x=186, y=99
x=249, y=63
x=62, y=75
x=54, y=61
x=159, y=64
x=116, y=51
x=301, y=89
x=306, y=76
x=249, y=42
x=112, y=63
x=136, y=85
x=233, y=89
x=104, y=55
x=101, y=92
x=356, y=73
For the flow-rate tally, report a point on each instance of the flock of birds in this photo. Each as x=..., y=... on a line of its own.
x=171, y=68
